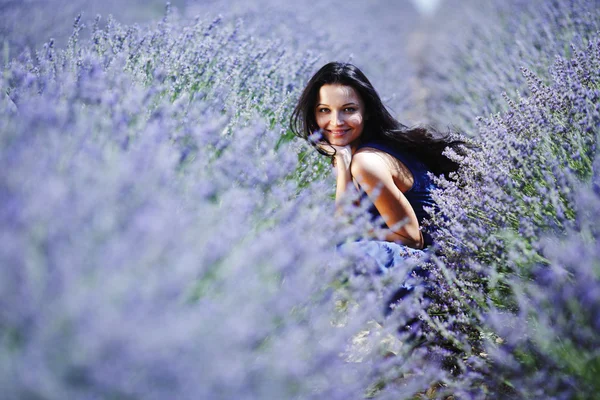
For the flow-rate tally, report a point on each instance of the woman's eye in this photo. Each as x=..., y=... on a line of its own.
x=350, y=109
x=323, y=110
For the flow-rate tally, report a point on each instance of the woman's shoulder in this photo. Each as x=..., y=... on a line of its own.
x=385, y=146
x=369, y=159
x=374, y=152
x=405, y=156
x=385, y=151
x=381, y=165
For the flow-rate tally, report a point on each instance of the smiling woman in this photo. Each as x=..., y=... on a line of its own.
x=372, y=152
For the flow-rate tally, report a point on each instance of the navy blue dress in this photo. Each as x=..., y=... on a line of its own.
x=387, y=257
x=419, y=195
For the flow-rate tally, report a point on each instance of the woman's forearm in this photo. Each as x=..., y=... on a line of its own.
x=415, y=241
x=343, y=180
x=342, y=162
x=408, y=236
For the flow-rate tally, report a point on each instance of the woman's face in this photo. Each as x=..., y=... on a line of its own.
x=340, y=114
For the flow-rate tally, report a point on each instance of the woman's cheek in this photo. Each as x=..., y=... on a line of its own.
x=357, y=120
x=321, y=122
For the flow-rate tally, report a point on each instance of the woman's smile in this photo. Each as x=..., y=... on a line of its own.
x=338, y=132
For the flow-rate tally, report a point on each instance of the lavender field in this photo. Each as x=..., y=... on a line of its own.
x=163, y=235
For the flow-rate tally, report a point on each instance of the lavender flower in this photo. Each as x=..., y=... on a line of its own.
x=163, y=236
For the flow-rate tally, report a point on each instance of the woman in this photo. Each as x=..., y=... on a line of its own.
x=372, y=150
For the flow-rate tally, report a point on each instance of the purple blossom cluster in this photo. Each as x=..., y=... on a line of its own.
x=159, y=238
x=162, y=236
x=33, y=22
x=474, y=51
x=514, y=278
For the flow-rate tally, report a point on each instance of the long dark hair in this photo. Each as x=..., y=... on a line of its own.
x=426, y=143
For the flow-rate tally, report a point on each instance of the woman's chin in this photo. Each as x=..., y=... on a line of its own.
x=343, y=140
x=339, y=141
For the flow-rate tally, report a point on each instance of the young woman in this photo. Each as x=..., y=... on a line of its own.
x=373, y=151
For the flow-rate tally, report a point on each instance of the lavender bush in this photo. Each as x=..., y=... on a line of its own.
x=155, y=243
x=33, y=22
x=511, y=310
x=475, y=54
x=163, y=236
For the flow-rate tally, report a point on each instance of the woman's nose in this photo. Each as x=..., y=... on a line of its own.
x=337, y=119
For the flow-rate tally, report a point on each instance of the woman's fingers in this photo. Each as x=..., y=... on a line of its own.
x=341, y=148
x=343, y=154
x=326, y=147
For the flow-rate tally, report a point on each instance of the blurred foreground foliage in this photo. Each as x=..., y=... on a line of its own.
x=164, y=237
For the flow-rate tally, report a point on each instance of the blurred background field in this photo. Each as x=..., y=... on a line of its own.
x=163, y=235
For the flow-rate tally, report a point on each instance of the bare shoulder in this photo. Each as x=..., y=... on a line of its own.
x=371, y=161
x=378, y=163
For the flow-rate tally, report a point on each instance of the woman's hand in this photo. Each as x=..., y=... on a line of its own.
x=342, y=159
x=343, y=156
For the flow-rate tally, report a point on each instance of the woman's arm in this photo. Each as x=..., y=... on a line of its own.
x=342, y=160
x=374, y=175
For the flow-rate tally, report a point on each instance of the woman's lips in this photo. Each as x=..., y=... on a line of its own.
x=338, y=132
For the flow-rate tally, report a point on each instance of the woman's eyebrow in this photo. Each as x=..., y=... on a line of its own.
x=343, y=105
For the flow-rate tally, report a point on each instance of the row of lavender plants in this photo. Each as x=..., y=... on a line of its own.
x=477, y=53
x=515, y=279
x=32, y=22
x=159, y=237
x=164, y=239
